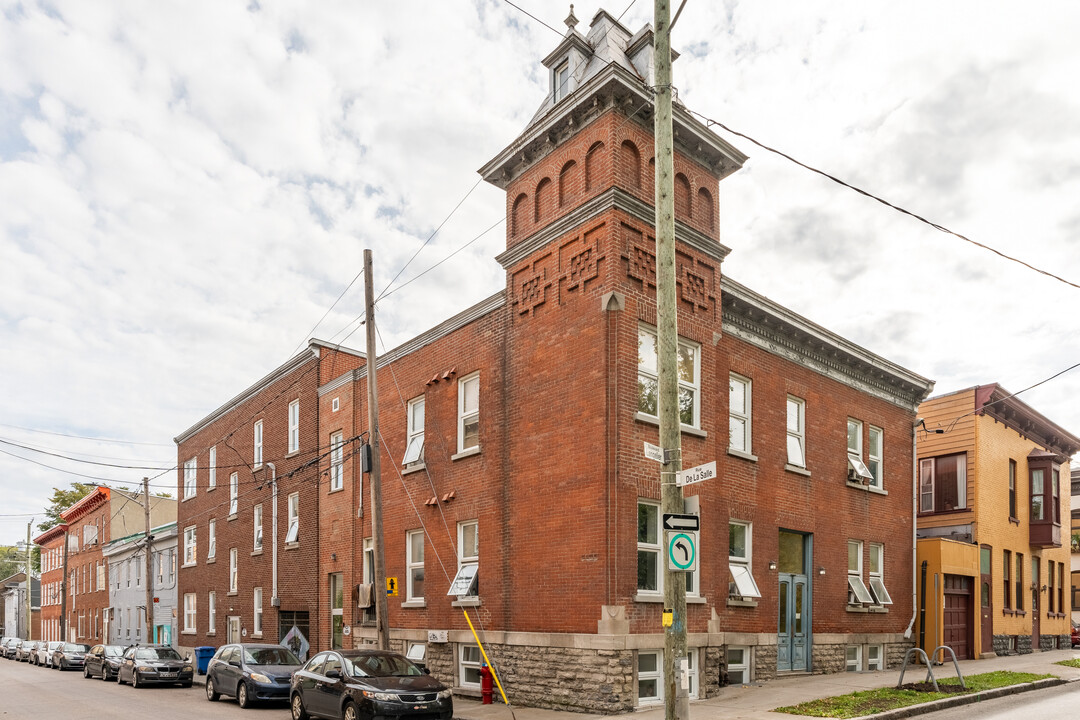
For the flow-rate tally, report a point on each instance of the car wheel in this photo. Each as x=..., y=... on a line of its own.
x=135, y=679
x=86, y=671
x=299, y=712
x=105, y=673
x=351, y=712
x=119, y=680
x=211, y=694
x=242, y=698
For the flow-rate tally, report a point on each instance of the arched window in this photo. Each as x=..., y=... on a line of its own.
x=568, y=182
x=543, y=198
x=706, y=209
x=592, y=165
x=630, y=164
x=682, y=196
x=517, y=214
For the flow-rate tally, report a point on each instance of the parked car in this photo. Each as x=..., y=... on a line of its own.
x=32, y=655
x=22, y=651
x=8, y=648
x=1075, y=634
x=354, y=684
x=103, y=661
x=251, y=672
x=45, y=653
x=161, y=664
x=69, y=656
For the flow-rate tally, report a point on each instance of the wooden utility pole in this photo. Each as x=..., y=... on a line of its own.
x=676, y=699
x=29, y=624
x=381, y=621
x=64, y=590
x=149, y=565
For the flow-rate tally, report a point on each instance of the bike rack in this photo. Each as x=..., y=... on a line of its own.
x=929, y=669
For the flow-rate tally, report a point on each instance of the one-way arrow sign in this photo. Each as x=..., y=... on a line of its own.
x=681, y=522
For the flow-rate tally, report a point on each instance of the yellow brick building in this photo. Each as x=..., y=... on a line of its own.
x=992, y=494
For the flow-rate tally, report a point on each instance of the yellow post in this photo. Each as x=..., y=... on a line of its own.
x=484, y=653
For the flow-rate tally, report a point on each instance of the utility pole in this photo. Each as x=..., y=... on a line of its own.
x=676, y=699
x=64, y=591
x=381, y=621
x=29, y=626
x=149, y=565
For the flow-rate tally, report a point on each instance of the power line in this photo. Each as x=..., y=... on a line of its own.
x=523, y=10
x=710, y=122
x=84, y=437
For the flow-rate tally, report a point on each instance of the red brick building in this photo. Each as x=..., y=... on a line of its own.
x=254, y=459
x=52, y=580
x=513, y=439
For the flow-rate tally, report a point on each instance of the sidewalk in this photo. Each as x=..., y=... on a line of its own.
x=755, y=702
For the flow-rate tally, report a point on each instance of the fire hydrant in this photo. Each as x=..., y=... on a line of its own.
x=487, y=692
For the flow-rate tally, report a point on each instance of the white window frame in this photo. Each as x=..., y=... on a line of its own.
x=856, y=586
x=853, y=664
x=190, y=547
x=650, y=372
x=877, y=663
x=796, y=434
x=928, y=483
x=212, y=483
x=257, y=605
x=257, y=455
x=337, y=458
x=742, y=584
x=877, y=578
x=257, y=528
x=857, y=470
x=294, y=426
x=741, y=416
x=211, y=611
x=211, y=541
x=414, y=444
x=468, y=416
x=559, y=89
x=190, y=477
x=652, y=548
x=234, y=493
x=465, y=665
x=189, y=612
x=335, y=404
x=463, y=531
x=875, y=456
x=855, y=449
x=413, y=563
x=743, y=667
x=234, y=573
x=657, y=675
x=292, y=534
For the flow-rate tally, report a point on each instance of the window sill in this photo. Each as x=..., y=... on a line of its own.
x=866, y=488
x=1007, y=611
x=211, y=633
x=683, y=428
x=956, y=511
x=231, y=517
x=880, y=609
x=211, y=560
x=186, y=565
x=231, y=593
x=416, y=467
x=188, y=632
x=333, y=491
x=414, y=604
x=293, y=454
x=188, y=497
x=466, y=453
x=467, y=602
x=256, y=467
x=857, y=609
x=1021, y=613
x=292, y=545
x=696, y=600
x=256, y=552
x=733, y=602
x=256, y=636
x=796, y=469
x=740, y=454
x=648, y=598
x=877, y=490
x=211, y=488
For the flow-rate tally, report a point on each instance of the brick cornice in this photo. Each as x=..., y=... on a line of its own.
x=92, y=500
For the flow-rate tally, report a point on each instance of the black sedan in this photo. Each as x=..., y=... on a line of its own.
x=354, y=684
x=251, y=672
x=103, y=661
x=157, y=664
x=70, y=656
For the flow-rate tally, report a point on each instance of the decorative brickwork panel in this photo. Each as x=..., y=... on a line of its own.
x=697, y=285
x=579, y=261
x=640, y=258
x=530, y=286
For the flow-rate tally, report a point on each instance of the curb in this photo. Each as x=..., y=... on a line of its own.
x=951, y=702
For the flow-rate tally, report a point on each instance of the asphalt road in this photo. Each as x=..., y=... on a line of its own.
x=32, y=693
x=1056, y=702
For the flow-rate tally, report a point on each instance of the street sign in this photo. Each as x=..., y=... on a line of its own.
x=391, y=586
x=682, y=550
x=681, y=522
x=654, y=452
x=696, y=474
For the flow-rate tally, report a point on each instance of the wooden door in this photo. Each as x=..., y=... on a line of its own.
x=1036, y=563
x=957, y=615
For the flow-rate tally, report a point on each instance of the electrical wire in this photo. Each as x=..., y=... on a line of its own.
x=84, y=437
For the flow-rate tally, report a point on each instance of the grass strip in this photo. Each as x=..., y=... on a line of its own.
x=870, y=702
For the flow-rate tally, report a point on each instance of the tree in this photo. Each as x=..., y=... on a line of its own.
x=13, y=561
x=61, y=500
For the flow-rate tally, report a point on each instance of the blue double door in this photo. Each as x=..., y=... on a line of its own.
x=794, y=600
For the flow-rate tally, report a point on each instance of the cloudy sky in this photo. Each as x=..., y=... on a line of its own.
x=186, y=187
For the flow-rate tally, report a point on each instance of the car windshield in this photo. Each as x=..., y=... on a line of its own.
x=270, y=656
x=113, y=651
x=76, y=648
x=156, y=654
x=387, y=665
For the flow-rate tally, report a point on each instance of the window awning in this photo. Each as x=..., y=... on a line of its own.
x=859, y=588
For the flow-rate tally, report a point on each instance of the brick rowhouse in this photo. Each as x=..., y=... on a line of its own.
x=225, y=542
x=51, y=543
x=532, y=408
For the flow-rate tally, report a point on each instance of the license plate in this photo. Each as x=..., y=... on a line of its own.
x=168, y=675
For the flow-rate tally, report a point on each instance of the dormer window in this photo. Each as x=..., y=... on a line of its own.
x=561, y=80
